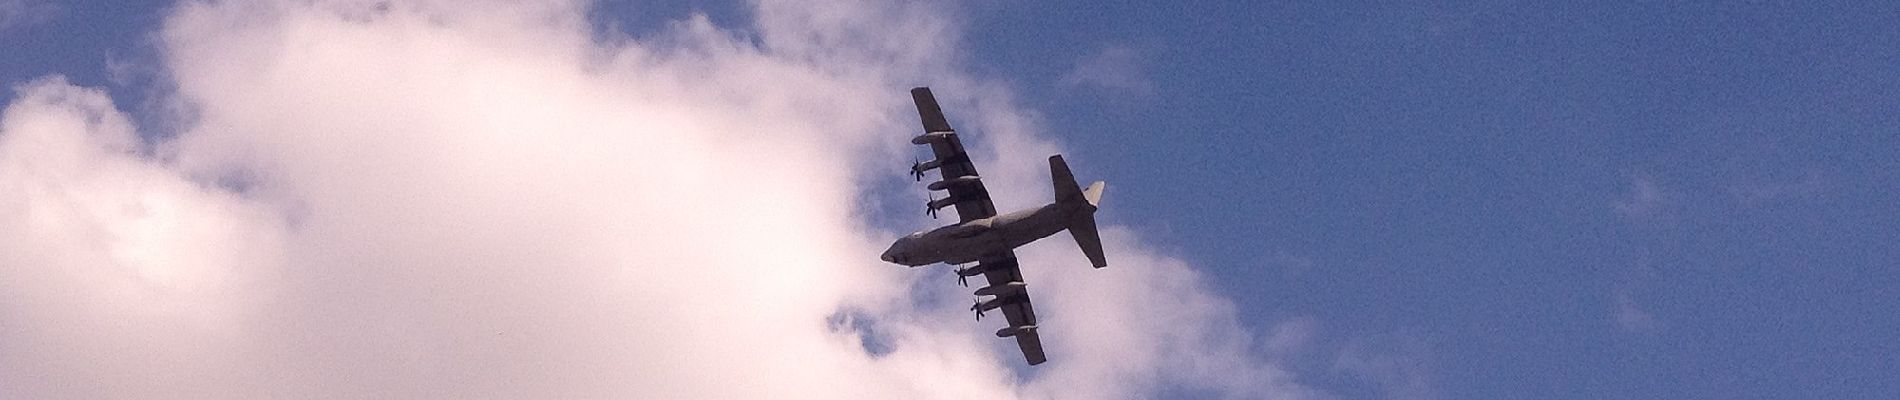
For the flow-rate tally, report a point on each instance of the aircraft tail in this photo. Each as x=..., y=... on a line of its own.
x=1084, y=202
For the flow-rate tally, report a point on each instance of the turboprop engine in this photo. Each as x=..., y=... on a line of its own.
x=937, y=204
x=961, y=180
x=931, y=137
x=1005, y=293
x=1004, y=289
x=917, y=168
x=1015, y=330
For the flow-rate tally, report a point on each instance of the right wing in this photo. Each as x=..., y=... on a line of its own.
x=1004, y=270
x=952, y=163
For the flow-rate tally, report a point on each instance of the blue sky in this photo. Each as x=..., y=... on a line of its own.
x=1452, y=172
x=1472, y=176
x=1504, y=199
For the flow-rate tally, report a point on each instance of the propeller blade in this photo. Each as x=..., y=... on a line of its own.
x=977, y=305
x=963, y=280
x=927, y=208
x=915, y=173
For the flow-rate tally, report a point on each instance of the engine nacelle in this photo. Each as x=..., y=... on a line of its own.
x=932, y=137
x=998, y=302
x=917, y=169
x=1015, y=330
x=1001, y=290
x=961, y=180
x=943, y=202
x=973, y=270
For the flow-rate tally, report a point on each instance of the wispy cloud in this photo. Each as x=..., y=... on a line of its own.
x=1754, y=191
x=1630, y=315
x=1645, y=200
x=1117, y=68
x=1292, y=337
x=1645, y=204
x=1398, y=365
x=23, y=13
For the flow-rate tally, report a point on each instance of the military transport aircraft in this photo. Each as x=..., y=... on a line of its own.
x=981, y=236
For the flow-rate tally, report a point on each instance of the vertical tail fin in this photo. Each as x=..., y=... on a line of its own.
x=1082, y=221
x=1066, y=190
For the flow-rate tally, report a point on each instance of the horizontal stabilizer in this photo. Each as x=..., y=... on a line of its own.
x=1082, y=228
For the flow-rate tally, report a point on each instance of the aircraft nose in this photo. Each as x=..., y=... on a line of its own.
x=890, y=255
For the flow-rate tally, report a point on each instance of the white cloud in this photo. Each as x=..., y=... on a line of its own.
x=117, y=270
x=420, y=200
x=1116, y=67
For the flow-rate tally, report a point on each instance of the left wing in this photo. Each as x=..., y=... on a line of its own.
x=952, y=163
x=1012, y=297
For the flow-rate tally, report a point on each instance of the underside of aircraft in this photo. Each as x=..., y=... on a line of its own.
x=986, y=241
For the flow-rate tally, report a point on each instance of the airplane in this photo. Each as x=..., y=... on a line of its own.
x=989, y=240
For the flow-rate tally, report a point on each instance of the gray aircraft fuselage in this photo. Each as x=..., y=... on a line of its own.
x=973, y=241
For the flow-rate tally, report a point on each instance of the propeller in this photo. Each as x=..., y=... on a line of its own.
x=977, y=305
x=915, y=171
x=963, y=276
x=927, y=208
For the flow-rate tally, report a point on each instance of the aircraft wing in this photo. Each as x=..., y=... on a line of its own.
x=972, y=201
x=1004, y=270
x=966, y=190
